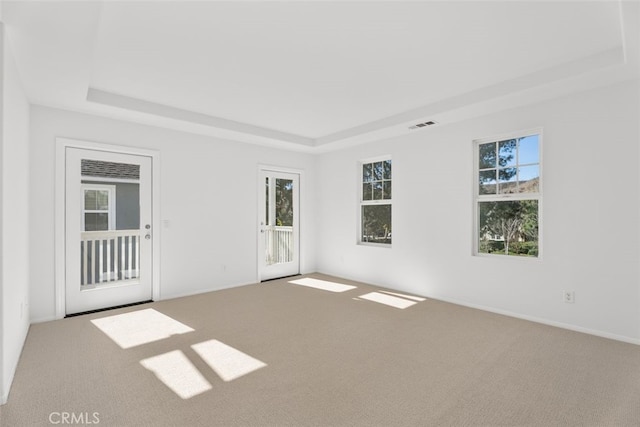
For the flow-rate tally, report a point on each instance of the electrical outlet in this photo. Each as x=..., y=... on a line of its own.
x=569, y=297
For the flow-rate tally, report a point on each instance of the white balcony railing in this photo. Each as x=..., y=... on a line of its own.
x=278, y=244
x=109, y=256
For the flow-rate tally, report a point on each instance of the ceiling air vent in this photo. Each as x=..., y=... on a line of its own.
x=422, y=125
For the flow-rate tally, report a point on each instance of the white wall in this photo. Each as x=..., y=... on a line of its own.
x=590, y=216
x=15, y=213
x=208, y=196
x=4, y=387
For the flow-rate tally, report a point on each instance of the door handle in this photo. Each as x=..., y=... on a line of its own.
x=147, y=236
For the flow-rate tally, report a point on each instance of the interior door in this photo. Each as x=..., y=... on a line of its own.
x=108, y=235
x=278, y=230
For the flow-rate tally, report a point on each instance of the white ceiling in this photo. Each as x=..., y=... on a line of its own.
x=314, y=75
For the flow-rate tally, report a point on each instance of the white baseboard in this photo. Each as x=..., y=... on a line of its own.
x=548, y=322
x=202, y=291
x=540, y=320
x=43, y=319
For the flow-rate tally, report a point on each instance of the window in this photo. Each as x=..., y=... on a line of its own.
x=508, y=196
x=375, y=202
x=98, y=209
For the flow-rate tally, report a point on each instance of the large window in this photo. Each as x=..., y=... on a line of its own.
x=508, y=196
x=375, y=202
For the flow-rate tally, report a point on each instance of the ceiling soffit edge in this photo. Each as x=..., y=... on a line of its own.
x=601, y=60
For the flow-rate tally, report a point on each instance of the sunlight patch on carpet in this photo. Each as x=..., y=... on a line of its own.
x=178, y=373
x=225, y=360
x=322, y=284
x=139, y=327
x=413, y=297
x=388, y=300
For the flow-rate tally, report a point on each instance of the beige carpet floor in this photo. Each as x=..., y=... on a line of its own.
x=331, y=360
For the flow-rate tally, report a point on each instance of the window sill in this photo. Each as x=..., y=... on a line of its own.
x=375, y=245
x=501, y=256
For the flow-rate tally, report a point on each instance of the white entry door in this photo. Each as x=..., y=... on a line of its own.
x=278, y=230
x=108, y=235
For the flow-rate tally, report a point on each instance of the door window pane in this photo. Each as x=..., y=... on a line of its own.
x=284, y=202
x=278, y=234
x=111, y=207
x=266, y=204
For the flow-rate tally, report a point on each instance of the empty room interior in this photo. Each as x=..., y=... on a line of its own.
x=320, y=213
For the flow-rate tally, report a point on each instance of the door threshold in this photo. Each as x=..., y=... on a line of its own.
x=98, y=310
x=278, y=278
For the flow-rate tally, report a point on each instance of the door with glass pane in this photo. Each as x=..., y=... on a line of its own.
x=278, y=225
x=108, y=229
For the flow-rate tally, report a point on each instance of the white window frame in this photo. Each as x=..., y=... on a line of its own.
x=362, y=202
x=477, y=197
x=111, y=211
